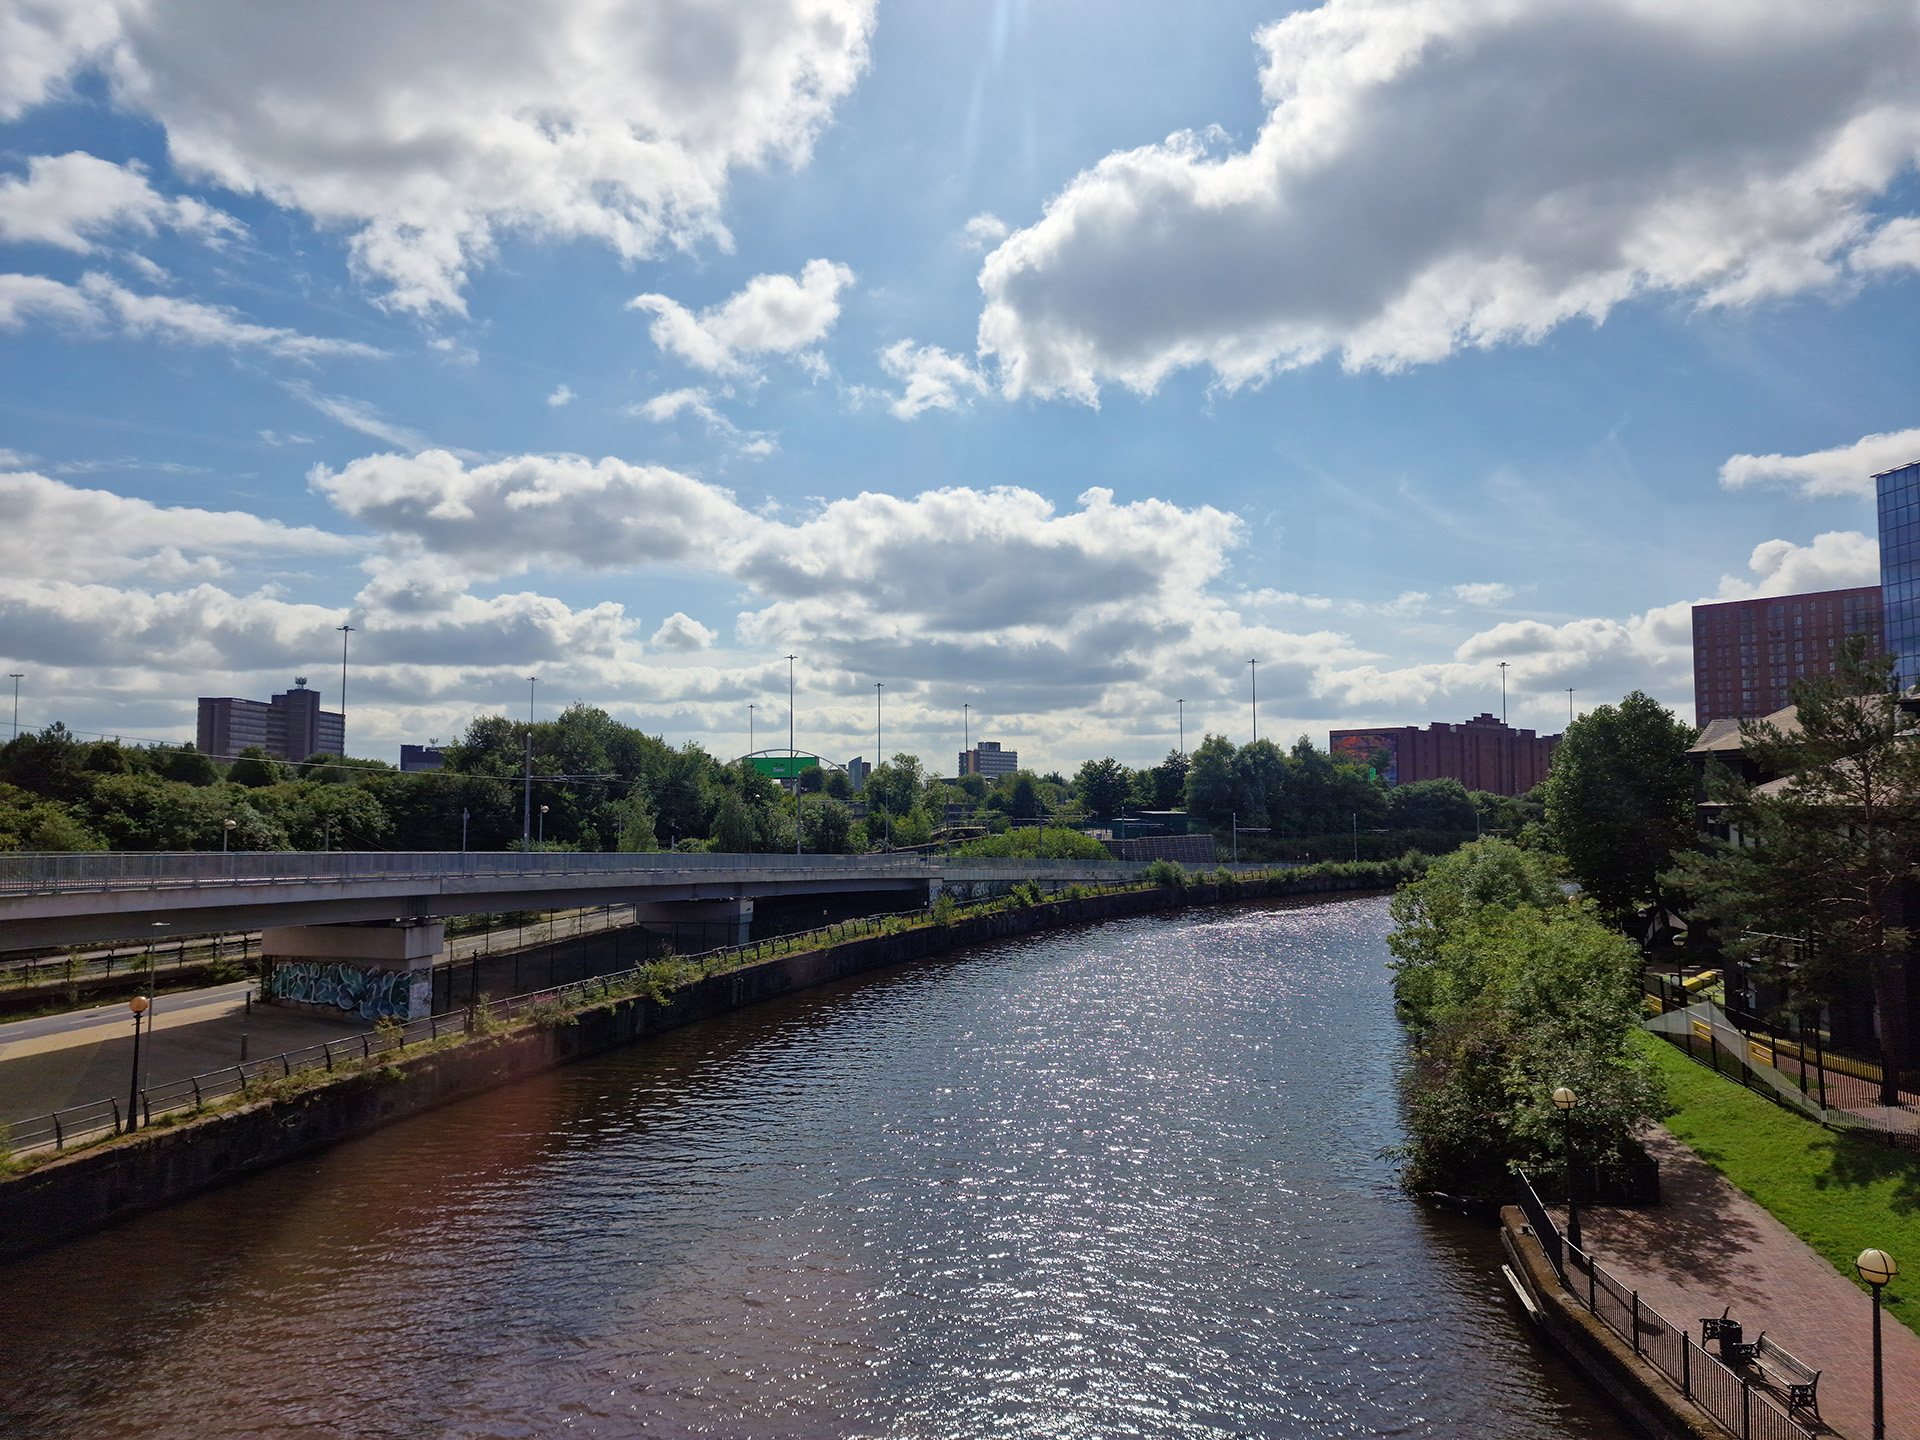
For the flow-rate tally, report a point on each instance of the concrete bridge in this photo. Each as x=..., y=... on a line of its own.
x=382, y=912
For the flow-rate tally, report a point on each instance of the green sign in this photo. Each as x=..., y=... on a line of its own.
x=784, y=767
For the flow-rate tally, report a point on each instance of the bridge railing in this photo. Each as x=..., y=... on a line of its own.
x=30, y=874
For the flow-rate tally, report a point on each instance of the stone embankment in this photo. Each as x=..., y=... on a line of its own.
x=76, y=1193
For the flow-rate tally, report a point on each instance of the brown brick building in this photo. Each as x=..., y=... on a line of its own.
x=1483, y=754
x=1746, y=653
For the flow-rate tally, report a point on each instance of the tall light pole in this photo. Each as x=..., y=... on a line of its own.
x=966, y=728
x=16, y=677
x=543, y=824
x=749, y=727
x=138, y=1005
x=878, y=748
x=465, y=815
x=1569, y=705
x=1876, y=1267
x=1566, y=1102
x=226, y=831
x=1183, y=726
x=526, y=800
x=345, y=631
x=1503, y=692
x=792, y=755
x=1253, y=679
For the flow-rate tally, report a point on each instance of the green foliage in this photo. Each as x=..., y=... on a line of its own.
x=1103, y=786
x=1031, y=842
x=256, y=769
x=826, y=825
x=894, y=788
x=1165, y=786
x=1165, y=872
x=944, y=908
x=1512, y=988
x=1430, y=805
x=1299, y=792
x=29, y=823
x=1619, y=802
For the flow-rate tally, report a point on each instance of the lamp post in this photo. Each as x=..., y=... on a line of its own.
x=749, y=727
x=1253, y=681
x=345, y=631
x=793, y=754
x=1569, y=705
x=138, y=1005
x=1183, y=725
x=1877, y=1267
x=465, y=815
x=1503, y=692
x=878, y=748
x=1566, y=1102
x=543, y=824
x=526, y=800
x=226, y=832
x=16, y=677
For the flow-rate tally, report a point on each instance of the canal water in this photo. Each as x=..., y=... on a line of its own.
x=1119, y=1181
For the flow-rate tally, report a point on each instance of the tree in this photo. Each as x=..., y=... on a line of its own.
x=1430, y=805
x=255, y=769
x=826, y=827
x=1168, y=780
x=1827, y=853
x=183, y=764
x=1103, y=786
x=1211, y=786
x=1619, y=802
x=28, y=822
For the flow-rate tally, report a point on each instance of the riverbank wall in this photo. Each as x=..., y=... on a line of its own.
x=1640, y=1392
x=71, y=1195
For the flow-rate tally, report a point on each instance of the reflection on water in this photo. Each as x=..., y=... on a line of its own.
x=1123, y=1181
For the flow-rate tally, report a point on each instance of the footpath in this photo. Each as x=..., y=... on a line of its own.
x=1709, y=1247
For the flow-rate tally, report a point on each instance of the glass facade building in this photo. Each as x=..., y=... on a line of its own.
x=1899, y=493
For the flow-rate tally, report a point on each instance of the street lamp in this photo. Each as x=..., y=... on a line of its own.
x=793, y=754
x=1876, y=1267
x=1183, y=725
x=16, y=677
x=465, y=815
x=1253, y=682
x=543, y=824
x=138, y=1005
x=226, y=833
x=1566, y=1102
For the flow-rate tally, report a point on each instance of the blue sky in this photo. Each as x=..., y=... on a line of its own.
x=635, y=349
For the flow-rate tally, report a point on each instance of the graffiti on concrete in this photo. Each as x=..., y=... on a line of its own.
x=370, y=994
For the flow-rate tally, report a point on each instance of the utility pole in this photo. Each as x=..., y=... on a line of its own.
x=750, y=728
x=345, y=631
x=1183, y=727
x=1503, y=692
x=878, y=748
x=16, y=677
x=966, y=728
x=526, y=803
x=1253, y=673
x=793, y=755
x=1569, y=705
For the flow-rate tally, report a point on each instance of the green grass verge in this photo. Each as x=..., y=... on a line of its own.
x=1837, y=1193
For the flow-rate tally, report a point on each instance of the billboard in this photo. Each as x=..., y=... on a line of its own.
x=1379, y=753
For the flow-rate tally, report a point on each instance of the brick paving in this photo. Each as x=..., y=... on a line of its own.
x=1709, y=1247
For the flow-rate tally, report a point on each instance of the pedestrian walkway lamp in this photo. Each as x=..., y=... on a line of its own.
x=1876, y=1267
x=1566, y=1102
x=543, y=824
x=226, y=834
x=138, y=1005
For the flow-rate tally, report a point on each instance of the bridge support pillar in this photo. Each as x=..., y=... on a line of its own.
x=382, y=971
x=695, y=925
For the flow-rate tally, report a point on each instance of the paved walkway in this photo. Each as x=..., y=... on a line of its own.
x=53, y=1061
x=1709, y=1247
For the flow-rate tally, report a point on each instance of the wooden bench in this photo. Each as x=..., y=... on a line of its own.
x=1798, y=1381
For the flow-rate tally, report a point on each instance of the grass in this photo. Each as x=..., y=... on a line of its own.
x=1838, y=1193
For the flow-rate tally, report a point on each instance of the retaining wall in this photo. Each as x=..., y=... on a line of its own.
x=69, y=1196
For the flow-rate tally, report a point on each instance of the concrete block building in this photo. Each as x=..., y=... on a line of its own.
x=291, y=726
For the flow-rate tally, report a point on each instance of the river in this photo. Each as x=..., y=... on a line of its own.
x=1117, y=1181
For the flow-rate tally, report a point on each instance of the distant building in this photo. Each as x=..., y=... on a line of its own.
x=291, y=726
x=987, y=758
x=1483, y=754
x=422, y=757
x=1748, y=653
x=857, y=772
x=1899, y=492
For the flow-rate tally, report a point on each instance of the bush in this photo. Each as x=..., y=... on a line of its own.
x=1165, y=872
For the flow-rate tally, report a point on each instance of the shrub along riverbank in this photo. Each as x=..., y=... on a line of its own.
x=1510, y=988
x=1838, y=1193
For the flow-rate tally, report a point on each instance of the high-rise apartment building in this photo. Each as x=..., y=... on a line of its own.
x=987, y=758
x=290, y=726
x=1748, y=653
x=1899, y=495
x=1483, y=754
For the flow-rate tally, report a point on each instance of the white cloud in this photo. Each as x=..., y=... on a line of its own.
x=358, y=415
x=773, y=315
x=64, y=200
x=1443, y=173
x=1483, y=593
x=1837, y=560
x=984, y=231
x=100, y=304
x=680, y=631
x=561, y=396
x=52, y=530
x=430, y=133
x=1843, y=470
x=934, y=379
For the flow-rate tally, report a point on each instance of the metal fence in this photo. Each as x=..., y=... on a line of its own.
x=1733, y=1397
x=81, y=1123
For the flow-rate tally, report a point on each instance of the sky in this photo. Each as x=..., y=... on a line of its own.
x=1038, y=362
